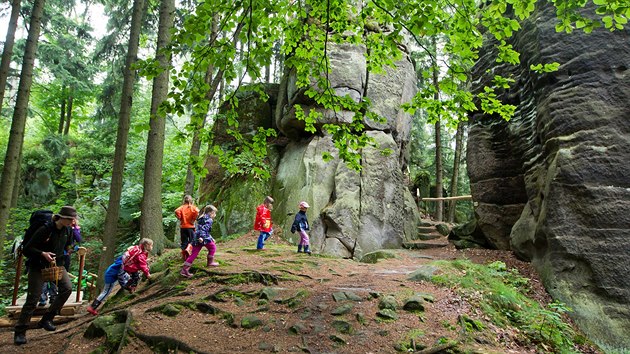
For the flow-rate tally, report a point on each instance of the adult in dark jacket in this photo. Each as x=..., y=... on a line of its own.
x=45, y=246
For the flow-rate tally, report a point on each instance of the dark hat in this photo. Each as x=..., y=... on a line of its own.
x=68, y=212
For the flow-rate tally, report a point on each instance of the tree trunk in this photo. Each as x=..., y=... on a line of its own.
x=110, y=229
x=151, y=216
x=18, y=183
x=439, y=205
x=459, y=137
x=18, y=123
x=8, y=48
x=62, y=111
x=195, y=147
x=213, y=82
x=66, y=130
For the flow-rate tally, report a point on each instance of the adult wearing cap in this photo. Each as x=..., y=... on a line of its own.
x=45, y=246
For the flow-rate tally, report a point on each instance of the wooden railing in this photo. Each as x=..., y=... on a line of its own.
x=459, y=197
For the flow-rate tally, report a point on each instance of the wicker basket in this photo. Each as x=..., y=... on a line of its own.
x=52, y=273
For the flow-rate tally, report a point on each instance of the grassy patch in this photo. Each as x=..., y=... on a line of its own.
x=501, y=294
x=410, y=341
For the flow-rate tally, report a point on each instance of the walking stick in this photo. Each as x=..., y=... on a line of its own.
x=81, y=251
x=18, y=274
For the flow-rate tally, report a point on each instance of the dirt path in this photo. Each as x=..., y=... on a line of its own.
x=304, y=303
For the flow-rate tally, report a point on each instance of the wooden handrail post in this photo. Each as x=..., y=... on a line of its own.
x=16, y=283
x=81, y=251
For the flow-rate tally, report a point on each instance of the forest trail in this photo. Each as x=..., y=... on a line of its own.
x=277, y=300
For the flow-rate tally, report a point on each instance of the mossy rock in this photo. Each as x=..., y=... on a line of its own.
x=388, y=302
x=387, y=314
x=424, y=273
x=96, y=329
x=342, y=310
x=207, y=308
x=375, y=256
x=414, y=304
x=337, y=339
x=249, y=322
x=268, y=293
x=442, y=229
x=342, y=326
x=297, y=328
x=110, y=327
x=171, y=310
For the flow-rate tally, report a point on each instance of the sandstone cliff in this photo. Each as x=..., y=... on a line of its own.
x=553, y=184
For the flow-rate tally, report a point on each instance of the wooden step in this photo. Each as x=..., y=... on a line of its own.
x=427, y=237
x=425, y=244
x=70, y=308
x=426, y=229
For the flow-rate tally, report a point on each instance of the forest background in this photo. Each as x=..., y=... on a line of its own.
x=117, y=121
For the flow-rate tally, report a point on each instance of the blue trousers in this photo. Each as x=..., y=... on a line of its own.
x=262, y=238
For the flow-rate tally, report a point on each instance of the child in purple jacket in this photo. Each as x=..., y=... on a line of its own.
x=202, y=239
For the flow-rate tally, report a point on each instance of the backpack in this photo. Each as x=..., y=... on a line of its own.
x=38, y=219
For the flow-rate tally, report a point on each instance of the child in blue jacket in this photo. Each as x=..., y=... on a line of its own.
x=300, y=224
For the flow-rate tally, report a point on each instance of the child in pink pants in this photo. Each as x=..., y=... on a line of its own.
x=202, y=239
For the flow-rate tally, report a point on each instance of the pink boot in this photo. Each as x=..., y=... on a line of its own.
x=186, y=270
x=211, y=262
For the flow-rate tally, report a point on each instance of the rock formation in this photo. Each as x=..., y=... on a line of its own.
x=553, y=183
x=352, y=213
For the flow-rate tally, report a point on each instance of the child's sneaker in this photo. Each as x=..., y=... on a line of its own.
x=92, y=311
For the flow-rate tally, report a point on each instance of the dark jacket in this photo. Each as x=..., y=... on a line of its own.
x=300, y=222
x=47, y=239
x=204, y=227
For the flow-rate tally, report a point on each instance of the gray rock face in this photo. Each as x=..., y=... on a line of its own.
x=553, y=184
x=351, y=212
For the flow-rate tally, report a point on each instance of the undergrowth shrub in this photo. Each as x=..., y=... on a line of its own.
x=501, y=294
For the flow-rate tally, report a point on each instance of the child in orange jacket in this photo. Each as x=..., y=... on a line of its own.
x=202, y=239
x=187, y=214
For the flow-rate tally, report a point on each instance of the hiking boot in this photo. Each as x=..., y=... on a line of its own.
x=47, y=325
x=186, y=270
x=19, y=338
x=210, y=262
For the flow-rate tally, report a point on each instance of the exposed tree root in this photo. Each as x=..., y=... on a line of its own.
x=250, y=276
x=166, y=344
x=123, y=339
x=297, y=275
x=439, y=348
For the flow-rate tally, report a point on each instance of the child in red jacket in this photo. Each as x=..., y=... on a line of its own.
x=135, y=260
x=263, y=223
x=125, y=271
